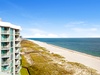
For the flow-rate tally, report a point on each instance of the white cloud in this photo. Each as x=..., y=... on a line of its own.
x=63, y=35
x=71, y=24
x=45, y=35
x=73, y=29
x=82, y=29
x=36, y=30
x=80, y=22
x=74, y=32
x=85, y=29
x=37, y=33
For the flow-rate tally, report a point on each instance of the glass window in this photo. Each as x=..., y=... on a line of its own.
x=11, y=44
x=11, y=31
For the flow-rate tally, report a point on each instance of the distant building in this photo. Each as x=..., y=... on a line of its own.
x=9, y=48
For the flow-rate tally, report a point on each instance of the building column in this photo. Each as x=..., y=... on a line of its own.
x=0, y=49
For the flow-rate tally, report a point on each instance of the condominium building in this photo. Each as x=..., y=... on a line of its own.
x=9, y=48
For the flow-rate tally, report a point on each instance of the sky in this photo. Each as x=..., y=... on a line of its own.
x=53, y=18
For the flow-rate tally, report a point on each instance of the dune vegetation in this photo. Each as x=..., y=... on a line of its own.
x=37, y=60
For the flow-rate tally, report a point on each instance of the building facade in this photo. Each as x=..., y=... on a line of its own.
x=10, y=48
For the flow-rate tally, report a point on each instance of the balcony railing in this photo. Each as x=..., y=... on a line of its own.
x=17, y=68
x=5, y=47
x=6, y=54
x=17, y=45
x=17, y=39
x=17, y=62
x=6, y=69
x=17, y=33
x=17, y=56
x=17, y=51
x=17, y=72
x=5, y=40
x=5, y=32
x=5, y=63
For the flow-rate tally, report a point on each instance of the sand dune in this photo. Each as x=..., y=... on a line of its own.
x=73, y=56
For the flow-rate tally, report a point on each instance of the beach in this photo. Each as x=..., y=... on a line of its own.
x=73, y=56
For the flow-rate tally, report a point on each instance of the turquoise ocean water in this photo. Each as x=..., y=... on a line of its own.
x=85, y=45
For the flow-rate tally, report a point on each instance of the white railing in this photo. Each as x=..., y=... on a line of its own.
x=6, y=54
x=5, y=39
x=17, y=33
x=17, y=45
x=4, y=47
x=17, y=56
x=6, y=69
x=17, y=68
x=17, y=62
x=17, y=39
x=5, y=32
x=5, y=63
x=17, y=50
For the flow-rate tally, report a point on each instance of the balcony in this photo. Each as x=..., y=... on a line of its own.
x=17, y=50
x=5, y=47
x=17, y=45
x=17, y=69
x=6, y=55
x=17, y=56
x=5, y=68
x=17, y=33
x=5, y=32
x=17, y=62
x=17, y=73
x=5, y=40
x=5, y=63
x=17, y=39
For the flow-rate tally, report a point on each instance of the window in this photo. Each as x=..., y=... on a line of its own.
x=11, y=44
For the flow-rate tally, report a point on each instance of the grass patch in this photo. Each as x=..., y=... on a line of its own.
x=46, y=63
x=48, y=69
x=24, y=61
x=57, y=55
x=37, y=58
x=24, y=71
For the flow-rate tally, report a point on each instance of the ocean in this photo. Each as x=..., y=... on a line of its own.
x=89, y=46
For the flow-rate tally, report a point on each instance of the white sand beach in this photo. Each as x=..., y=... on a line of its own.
x=73, y=56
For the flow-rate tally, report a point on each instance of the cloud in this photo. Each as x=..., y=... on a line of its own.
x=72, y=24
x=85, y=32
x=82, y=29
x=75, y=29
x=37, y=33
x=85, y=29
x=50, y=35
x=80, y=22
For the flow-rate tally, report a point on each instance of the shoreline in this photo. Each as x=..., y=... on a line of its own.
x=72, y=56
x=72, y=50
x=97, y=57
x=75, y=51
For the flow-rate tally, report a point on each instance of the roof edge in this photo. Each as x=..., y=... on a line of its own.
x=7, y=24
